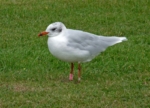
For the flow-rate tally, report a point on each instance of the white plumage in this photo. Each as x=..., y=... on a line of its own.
x=76, y=46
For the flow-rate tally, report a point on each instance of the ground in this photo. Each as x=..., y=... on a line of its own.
x=31, y=77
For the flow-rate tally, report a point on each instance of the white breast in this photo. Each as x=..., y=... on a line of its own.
x=58, y=47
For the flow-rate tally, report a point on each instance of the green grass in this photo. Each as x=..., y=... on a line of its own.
x=31, y=77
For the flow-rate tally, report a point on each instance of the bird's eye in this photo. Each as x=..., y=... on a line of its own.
x=53, y=29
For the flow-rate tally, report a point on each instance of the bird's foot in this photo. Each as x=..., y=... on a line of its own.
x=71, y=77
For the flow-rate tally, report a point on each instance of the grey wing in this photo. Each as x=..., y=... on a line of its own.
x=94, y=44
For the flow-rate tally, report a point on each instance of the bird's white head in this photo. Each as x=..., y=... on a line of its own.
x=53, y=29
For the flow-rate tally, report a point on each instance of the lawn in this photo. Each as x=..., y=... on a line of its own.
x=30, y=77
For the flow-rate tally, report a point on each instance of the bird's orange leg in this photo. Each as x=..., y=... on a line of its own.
x=79, y=72
x=71, y=72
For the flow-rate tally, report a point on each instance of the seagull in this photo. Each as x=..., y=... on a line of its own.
x=73, y=46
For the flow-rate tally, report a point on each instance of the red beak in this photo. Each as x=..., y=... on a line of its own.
x=43, y=33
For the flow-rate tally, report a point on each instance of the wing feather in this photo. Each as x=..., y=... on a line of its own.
x=92, y=43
